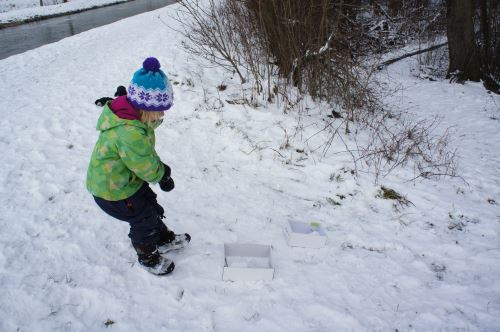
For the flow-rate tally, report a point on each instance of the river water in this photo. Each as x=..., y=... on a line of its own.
x=21, y=38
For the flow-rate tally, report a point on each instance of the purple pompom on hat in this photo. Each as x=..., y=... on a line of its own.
x=151, y=64
x=150, y=89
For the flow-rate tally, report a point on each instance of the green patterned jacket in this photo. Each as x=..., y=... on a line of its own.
x=123, y=158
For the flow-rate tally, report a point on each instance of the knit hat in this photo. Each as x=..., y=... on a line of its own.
x=150, y=89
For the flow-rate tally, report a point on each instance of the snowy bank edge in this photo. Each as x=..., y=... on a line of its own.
x=7, y=23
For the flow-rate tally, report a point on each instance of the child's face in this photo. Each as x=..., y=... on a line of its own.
x=159, y=120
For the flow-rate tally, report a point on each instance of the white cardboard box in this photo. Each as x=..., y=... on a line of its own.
x=247, y=262
x=301, y=234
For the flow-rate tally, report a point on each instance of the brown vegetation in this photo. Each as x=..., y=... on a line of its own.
x=326, y=49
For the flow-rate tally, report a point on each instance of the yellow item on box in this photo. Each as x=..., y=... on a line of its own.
x=315, y=224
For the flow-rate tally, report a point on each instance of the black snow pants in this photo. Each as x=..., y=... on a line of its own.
x=141, y=211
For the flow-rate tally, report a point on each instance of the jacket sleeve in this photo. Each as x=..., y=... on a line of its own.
x=136, y=150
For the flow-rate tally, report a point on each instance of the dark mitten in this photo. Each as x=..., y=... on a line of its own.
x=102, y=101
x=168, y=172
x=167, y=185
x=166, y=182
x=120, y=91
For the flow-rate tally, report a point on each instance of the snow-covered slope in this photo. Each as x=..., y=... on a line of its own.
x=14, y=11
x=66, y=266
x=8, y=5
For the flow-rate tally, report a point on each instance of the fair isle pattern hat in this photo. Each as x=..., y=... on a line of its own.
x=150, y=89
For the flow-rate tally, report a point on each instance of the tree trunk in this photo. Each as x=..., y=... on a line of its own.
x=394, y=7
x=41, y=2
x=463, y=51
x=485, y=28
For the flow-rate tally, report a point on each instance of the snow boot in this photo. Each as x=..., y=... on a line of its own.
x=151, y=261
x=171, y=241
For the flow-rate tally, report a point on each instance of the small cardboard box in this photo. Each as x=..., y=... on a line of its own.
x=301, y=234
x=247, y=262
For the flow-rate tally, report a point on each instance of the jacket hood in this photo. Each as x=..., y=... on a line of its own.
x=121, y=106
x=110, y=119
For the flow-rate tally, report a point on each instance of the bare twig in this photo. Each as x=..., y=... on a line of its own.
x=428, y=49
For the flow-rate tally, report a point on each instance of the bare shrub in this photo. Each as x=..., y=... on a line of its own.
x=319, y=48
x=392, y=24
x=394, y=140
x=402, y=140
x=226, y=33
x=211, y=34
x=309, y=43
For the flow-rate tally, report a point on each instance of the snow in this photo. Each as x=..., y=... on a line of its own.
x=20, y=10
x=66, y=266
x=6, y=5
x=247, y=261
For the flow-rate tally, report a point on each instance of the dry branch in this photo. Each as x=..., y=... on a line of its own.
x=407, y=55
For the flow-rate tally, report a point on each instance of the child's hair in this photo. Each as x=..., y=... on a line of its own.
x=148, y=117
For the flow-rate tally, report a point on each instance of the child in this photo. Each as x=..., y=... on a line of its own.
x=124, y=161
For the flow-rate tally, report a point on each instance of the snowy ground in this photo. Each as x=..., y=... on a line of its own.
x=66, y=266
x=7, y=5
x=21, y=10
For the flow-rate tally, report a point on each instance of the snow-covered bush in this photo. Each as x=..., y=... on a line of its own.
x=291, y=50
